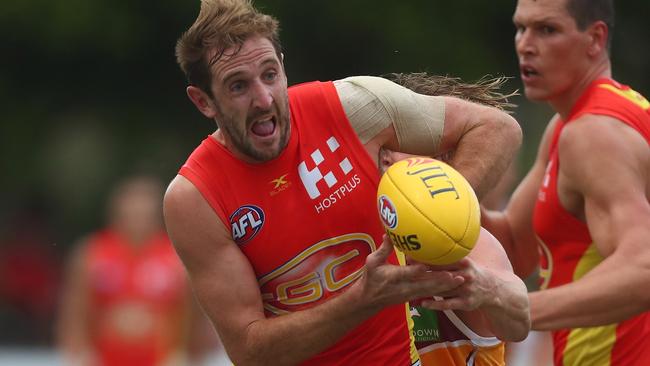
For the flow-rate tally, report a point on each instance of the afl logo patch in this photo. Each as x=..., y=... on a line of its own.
x=246, y=222
x=387, y=212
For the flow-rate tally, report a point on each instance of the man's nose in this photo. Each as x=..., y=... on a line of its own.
x=262, y=97
x=524, y=43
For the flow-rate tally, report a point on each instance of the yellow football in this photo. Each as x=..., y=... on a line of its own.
x=429, y=210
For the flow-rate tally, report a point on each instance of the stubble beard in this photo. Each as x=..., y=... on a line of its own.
x=243, y=145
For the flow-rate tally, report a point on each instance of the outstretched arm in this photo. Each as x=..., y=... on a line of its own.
x=226, y=287
x=605, y=164
x=493, y=299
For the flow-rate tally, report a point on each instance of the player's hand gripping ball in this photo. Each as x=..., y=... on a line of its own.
x=429, y=210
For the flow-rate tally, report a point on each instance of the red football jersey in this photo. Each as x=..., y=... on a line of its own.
x=568, y=251
x=306, y=221
x=138, y=297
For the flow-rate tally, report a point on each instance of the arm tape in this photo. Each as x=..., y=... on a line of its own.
x=373, y=103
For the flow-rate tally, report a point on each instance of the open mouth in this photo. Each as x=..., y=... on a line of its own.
x=264, y=127
x=528, y=72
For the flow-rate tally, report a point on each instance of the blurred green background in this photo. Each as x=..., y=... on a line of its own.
x=90, y=90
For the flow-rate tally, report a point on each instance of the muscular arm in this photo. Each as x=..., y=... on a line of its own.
x=484, y=140
x=227, y=289
x=493, y=299
x=513, y=227
x=385, y=114
x=607, y=165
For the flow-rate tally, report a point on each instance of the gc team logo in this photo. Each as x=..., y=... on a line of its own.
x=387, y=212
x=316, y=274
x=246, y=222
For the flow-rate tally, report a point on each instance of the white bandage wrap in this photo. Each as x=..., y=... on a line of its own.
x=373, y=103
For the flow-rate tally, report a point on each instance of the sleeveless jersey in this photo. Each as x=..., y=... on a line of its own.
x=138, y=296
x=306, y=221
x=568, y=252
x=442, y=338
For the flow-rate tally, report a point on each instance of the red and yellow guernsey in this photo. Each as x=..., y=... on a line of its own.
x=306, y=221
x=138, y=299
x=568, y=251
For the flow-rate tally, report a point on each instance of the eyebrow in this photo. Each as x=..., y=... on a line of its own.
x=544, y=20
x=232, y=76
x=268, y=60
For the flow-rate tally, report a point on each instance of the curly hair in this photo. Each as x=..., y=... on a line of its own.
x=221, y=25
x=484, y=91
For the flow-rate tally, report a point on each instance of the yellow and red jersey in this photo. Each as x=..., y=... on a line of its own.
x=306, y=221
x=568, y=251
x=138, y=296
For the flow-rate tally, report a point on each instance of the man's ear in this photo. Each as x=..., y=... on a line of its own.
x=202, y=101
x=598, y=33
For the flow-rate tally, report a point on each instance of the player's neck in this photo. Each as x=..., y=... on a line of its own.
x=224, y=141
x=563, y=103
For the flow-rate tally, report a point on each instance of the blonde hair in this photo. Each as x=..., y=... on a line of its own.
x=220, y=25
x=484, y=91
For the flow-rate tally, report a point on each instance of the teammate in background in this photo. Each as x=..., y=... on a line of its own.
x=454, y=337
x=127, y=300
x=274, y=213
x=584, y=203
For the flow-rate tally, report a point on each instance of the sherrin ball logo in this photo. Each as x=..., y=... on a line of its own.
x=439, y=214
x=387, y=212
